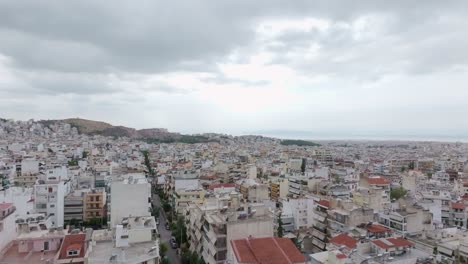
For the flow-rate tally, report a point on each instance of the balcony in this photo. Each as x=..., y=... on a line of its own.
x=458, y=215
x=320, y=212
x=73, y=210
x=321, y=227
x=318, y=234
x=318, y=243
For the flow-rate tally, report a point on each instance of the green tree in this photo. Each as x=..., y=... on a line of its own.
x=165, y=260
x=303, y=165
x=148, y=163
x=163, y=249
x=280, y=227
x=155, y=212
x=397, y=193
x=179, y=230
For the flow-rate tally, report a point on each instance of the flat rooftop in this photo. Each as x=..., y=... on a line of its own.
x=103, y=251
x=13, y=257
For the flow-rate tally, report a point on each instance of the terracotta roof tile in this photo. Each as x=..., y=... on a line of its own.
x=377, y=229
x=344, y=240
x=377, y=181
x=392, y=242
x=324, y=203
x=271, y=250
x=73, y=242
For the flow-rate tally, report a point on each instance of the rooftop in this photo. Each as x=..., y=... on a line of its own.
x=344, y=240
x=392, y=242
x=273, y=250
x=104, y=252
x=73, y=242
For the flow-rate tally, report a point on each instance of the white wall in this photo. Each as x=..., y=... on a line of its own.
x=129, y=199
x=8, y=233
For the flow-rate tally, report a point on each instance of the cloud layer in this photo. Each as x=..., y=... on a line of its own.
x=239, y=66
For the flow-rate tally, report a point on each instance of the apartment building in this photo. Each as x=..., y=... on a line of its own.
x=320, y=225
x=253, y=191
x=129, y=195
x=27, y=172
x=7, y=224
x=302, y=211
x=36, y=239
x=346, y=216
x=95, y=203
x=74, y=207
x=253, y=250
x=134, y=240
x=49, y=198
x=219, y=220
x=278, y=188
x=407, y=220
x=298, y=186
x=186, y=191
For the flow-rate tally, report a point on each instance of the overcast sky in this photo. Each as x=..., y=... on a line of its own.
x=370, y=67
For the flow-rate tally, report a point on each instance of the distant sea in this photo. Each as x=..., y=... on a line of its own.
x=362, y=137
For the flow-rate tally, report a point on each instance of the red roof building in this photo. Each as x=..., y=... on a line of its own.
x=377, y=181
x=378, y=231
x=344, y=240
x=391, y=244
x=271, y=250
x=324, y=203
x=73, y=249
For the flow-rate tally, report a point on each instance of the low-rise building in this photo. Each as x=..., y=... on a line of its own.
x=272, y=250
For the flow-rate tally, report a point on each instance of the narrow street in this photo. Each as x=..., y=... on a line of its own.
x=165, y=234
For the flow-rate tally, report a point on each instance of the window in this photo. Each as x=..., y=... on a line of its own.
x=52, y=205
x=50, y=189
x=73, y=252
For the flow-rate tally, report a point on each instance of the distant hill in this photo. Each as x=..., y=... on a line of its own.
x=297, y=142
x=150, y=135
x=85, y=126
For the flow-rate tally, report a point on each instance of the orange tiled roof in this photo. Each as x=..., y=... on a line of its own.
x=344, y=240
x=377, y=229
x=324, y=203
x=272, y=250
x=392, y=242
x=73, y=242
x=377, y=181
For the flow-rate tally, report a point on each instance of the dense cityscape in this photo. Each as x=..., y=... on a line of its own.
x=70, y=197
x=233, y=132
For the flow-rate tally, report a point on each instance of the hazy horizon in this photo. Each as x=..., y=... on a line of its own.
x=333, y=67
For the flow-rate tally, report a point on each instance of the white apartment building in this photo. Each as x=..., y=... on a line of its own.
x=49, y=199
x=7, y=224
x=129, y=196
x=222, y=219
x=302, y=211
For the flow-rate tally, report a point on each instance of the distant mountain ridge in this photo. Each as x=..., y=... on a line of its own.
x=91, y=127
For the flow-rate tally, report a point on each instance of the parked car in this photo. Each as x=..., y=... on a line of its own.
x=167, y=226
x=173, y=244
